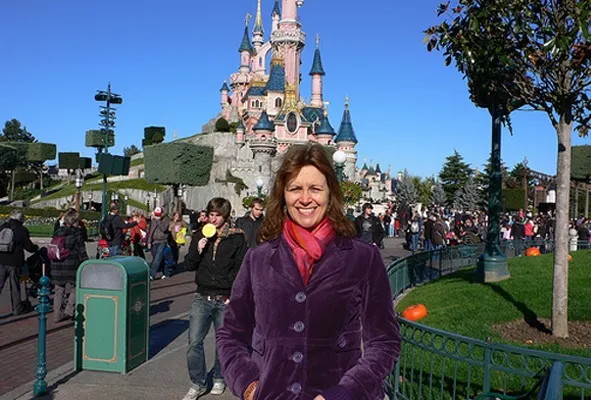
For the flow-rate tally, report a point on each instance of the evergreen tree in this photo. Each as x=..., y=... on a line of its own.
x=14, y=132
x=438, y=195
x=482, y=180
x=406, y=192
x=131, y=150
x=454, y=175
x=468, y=197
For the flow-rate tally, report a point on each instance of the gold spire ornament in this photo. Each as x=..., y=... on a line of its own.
x=317, y=40
x=259, y=18
x=247, y=19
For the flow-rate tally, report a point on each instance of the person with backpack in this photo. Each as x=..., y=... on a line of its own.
x=66, y=252
x=112, y=230
x=14, y=240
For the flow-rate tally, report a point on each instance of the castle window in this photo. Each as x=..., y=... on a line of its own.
x=278, y=102
x=260, y=62
x=292, y=123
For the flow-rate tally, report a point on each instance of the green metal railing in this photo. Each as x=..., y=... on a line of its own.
x=435, y=364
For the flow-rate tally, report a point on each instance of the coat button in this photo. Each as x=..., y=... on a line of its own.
x=300, y=297
x=342, y=343
x=296, y=388
x=297, y=357
x=298, y=326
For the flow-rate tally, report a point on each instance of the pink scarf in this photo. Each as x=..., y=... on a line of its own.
x=307, y=247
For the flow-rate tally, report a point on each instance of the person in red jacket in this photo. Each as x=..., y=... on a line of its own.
x=138, y=233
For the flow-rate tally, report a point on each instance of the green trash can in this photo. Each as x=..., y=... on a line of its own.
x=112, y=314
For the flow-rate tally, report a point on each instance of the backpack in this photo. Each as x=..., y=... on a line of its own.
x=414, y=227
x=7, y=240
x=107, y=231
x=56, y=250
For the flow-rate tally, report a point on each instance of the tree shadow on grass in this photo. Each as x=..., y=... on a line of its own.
x=529, y=316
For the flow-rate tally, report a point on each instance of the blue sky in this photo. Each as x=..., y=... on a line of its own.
x=169, y=59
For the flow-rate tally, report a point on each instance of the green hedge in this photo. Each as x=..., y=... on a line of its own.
x=178, y=163
x=222, y=125
x=8, y=157
x=49, y=212
x=41, y=151
x=68, y=160
x=85, y=162
x=154, y=134
x=514, y=199
x=96, y=138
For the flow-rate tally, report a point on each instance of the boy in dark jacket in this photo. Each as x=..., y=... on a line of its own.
x=216, y=261
x=12, y=262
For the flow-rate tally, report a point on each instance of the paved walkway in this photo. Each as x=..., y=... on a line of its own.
x=164, y=376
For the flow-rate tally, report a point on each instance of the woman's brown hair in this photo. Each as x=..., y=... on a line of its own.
x=297, y=157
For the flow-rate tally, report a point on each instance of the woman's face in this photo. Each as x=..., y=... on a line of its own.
x=306, y=197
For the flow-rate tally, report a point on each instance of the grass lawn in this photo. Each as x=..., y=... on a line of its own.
x=455, y=304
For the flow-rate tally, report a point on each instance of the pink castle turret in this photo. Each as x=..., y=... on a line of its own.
x=317, y=72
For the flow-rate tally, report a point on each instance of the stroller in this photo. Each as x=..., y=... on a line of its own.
x=33, y=271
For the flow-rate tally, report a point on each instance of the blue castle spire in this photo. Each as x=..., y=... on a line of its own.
x=246, y=45
x=346, y=131
x=264, y=124
x=317, y=62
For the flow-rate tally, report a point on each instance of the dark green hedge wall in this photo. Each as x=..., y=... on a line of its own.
x=514, y=199
x=178, y=163
x=41, y=151
x=49, y=212
x=68, y=160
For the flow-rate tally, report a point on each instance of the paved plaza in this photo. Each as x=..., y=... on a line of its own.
x=163, y=376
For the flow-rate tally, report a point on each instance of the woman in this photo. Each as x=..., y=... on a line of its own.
x=178, y=231
x=63, y=272
x=301, y=298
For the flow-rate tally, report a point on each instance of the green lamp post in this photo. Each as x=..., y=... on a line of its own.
x=492, y=264
x=339, y=157
x=260, y=184
x=107, y=124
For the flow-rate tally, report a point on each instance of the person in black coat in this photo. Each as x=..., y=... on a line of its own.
x=63, y=272
x=368, y=226
x=11, y=263
x=117, y=226
x=252, y=223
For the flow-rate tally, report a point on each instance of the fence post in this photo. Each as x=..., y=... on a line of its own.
x=40, y=387
x=487, y=369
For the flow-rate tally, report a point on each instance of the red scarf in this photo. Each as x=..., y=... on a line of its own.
x=307, y=247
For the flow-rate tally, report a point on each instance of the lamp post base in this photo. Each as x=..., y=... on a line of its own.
x=492, y=268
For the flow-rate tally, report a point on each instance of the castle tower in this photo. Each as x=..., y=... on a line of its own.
x=264, y=148
x=226, y=108
x=245, y=49
x=325, y=131
x=288, y=41
x=258, y=33
x=275, y=16
x=317, y=72
x=346, y=141
x=240, y=129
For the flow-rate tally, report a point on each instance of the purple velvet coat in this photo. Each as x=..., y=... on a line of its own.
x=300, y=341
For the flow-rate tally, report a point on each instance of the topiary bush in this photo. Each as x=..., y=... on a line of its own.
x=96, y=138
x=8, y=157
x=49, y=212
x=68, y=160
x=178, y=163
x=222, y=125
x=154, y=135
x=41, y=151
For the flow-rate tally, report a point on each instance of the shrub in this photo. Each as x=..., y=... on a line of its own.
x=153, y=135
x=68, y=160
x=41, y=151
x=222, y=125
x=49, y=212
x=96, y=138
x=514, y=199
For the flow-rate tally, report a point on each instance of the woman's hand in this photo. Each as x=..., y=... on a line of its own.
x=319, y=397
x=201, y=245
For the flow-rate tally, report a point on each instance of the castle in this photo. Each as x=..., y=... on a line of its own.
x=263, y=99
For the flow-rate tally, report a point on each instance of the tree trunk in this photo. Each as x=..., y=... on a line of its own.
x=12, y=185
x=41, y=179
x=560, y=282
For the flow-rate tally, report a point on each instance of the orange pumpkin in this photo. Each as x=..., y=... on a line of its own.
x=415, y=312
x=570, y=257
x=532, y=252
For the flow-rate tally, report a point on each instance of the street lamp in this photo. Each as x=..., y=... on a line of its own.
x=155, y=197
x=79, y=183
x=260, y=184
x=147, y=202
x=89, y=201
x=339, y=157
x=107, y=124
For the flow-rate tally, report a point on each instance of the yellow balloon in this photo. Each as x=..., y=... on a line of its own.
x=208, y=230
